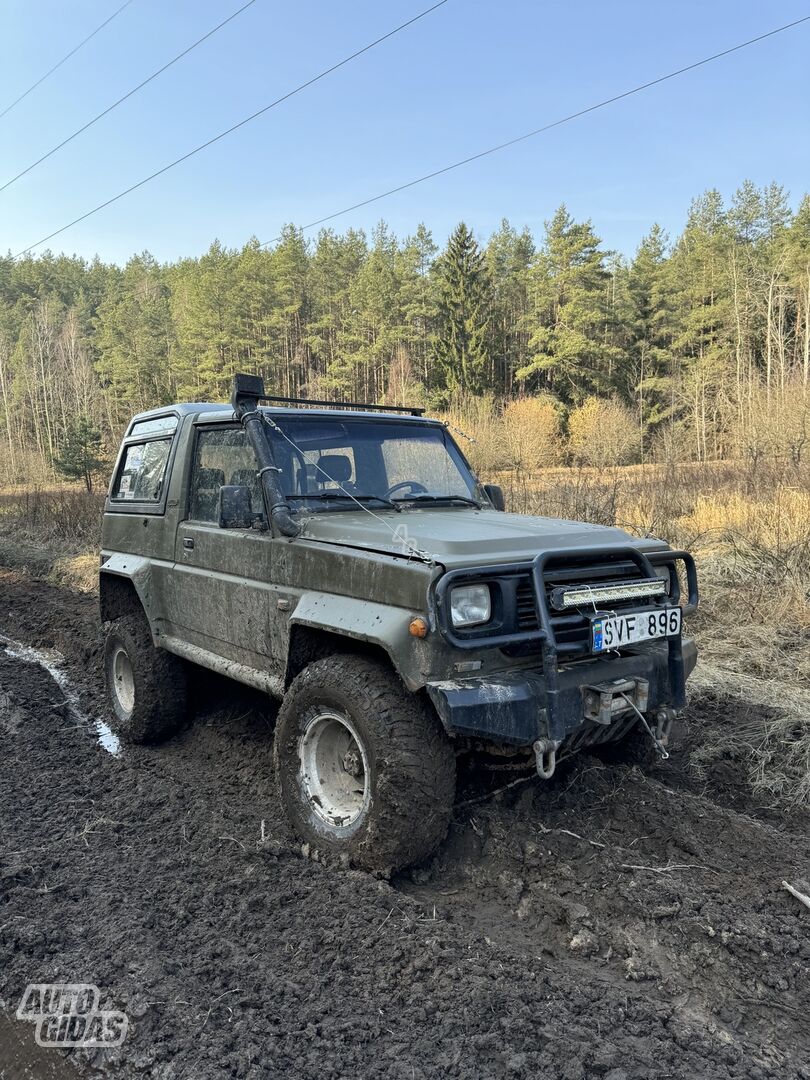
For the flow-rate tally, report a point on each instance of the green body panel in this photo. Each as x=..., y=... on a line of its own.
x=458, y=537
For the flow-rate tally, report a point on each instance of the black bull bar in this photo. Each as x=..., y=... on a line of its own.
x=552, y=651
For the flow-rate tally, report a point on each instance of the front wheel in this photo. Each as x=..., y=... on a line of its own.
x=364, y=768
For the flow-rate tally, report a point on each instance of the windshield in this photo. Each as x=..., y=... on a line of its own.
x=324, y=462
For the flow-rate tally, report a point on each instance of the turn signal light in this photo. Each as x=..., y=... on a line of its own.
x=418, y=627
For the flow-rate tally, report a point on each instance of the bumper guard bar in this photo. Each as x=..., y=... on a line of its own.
x=545, y=636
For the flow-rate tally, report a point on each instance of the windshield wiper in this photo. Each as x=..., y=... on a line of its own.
x=349, y=498
x=461, y=500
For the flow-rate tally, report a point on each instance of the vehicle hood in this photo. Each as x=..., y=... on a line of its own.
x=460, y=537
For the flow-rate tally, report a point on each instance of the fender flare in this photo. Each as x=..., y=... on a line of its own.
x=364, y=620
x=132, y=568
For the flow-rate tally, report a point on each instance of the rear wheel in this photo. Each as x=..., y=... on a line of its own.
x=146, y=687
x=364, y=767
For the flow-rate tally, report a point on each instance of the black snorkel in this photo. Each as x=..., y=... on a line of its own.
x=247, y=391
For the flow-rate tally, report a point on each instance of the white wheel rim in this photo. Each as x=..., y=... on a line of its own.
x=334, y=769
x=123, y=680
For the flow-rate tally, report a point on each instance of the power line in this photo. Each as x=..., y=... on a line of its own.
x=235, y=127
x=545, y=127
x=129, y=94
x=72, y=52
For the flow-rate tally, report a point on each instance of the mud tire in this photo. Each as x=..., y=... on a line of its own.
x=146, y=686
x=411, y=767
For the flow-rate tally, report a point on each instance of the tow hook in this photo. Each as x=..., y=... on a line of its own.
x=663, y=723
x=546, y=757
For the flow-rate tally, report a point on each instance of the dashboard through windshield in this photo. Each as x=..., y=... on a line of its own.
x=333, y=463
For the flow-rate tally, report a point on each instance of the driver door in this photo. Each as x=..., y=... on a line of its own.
x=223, y=596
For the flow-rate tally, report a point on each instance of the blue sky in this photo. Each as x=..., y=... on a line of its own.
x=471, y=74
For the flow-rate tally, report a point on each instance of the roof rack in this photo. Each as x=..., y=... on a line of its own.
x=414, y=410
x=252, y=387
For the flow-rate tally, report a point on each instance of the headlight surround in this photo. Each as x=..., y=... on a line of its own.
x=470, y=605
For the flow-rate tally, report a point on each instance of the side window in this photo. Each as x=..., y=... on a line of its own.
x=221, y=456
x=160, y=425
x=142, y=472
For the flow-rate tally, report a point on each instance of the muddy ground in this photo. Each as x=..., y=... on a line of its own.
x=605, y=924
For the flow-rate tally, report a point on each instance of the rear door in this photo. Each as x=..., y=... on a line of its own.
x=223, y=597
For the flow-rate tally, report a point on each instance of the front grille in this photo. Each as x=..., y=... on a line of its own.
x=526, y=607
x=571, y=628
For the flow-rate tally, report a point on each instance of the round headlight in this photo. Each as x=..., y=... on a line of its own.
x=470, y=605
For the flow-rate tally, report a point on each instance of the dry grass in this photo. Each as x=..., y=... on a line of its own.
x=52, y=533
x=762, y=723
x=78, y=572
x=67, y=514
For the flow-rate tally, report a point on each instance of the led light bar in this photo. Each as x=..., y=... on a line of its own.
x=564, y=597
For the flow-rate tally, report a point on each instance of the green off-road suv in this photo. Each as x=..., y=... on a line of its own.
x=346, y=560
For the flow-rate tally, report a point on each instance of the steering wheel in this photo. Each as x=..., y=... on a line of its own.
x=414, y=485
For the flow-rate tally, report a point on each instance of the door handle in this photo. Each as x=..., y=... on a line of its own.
x=188, y=543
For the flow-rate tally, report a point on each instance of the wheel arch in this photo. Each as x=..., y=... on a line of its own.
x=123, y=587
x=326, y=623
x=310, y=643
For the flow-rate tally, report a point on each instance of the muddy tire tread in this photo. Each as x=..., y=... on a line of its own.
x=415, y=759
x=160, y=683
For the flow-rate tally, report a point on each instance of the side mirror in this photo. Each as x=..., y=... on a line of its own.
x=235, y=509
x=495, y=494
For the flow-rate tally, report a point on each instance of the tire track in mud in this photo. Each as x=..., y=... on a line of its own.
x=628, y=880
x=53, y=664
x=520, y=950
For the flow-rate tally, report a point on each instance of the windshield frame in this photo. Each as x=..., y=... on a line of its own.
x=299, y=501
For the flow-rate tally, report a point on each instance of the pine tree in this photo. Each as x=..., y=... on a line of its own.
x=709, y=340
x=80, y=456
x=509, y=255
x=568, y=285
x=335, y=264
x=650, y=331
x=699, y=282
x=418, y=286
x=463, y=299
x=288, y=323
x=374, y=328
x=207, y=322
x=135, y=335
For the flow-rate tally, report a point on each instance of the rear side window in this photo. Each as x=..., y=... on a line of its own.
x=222, y=456
x=142, y=472
x=158, y=426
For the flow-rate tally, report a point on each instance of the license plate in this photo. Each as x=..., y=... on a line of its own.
x=615, y=631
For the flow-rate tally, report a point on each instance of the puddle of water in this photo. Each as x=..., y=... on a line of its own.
x=52, y=662
x=108, y=739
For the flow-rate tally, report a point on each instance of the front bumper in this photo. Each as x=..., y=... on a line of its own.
x=549, y=705
x=512, y=707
